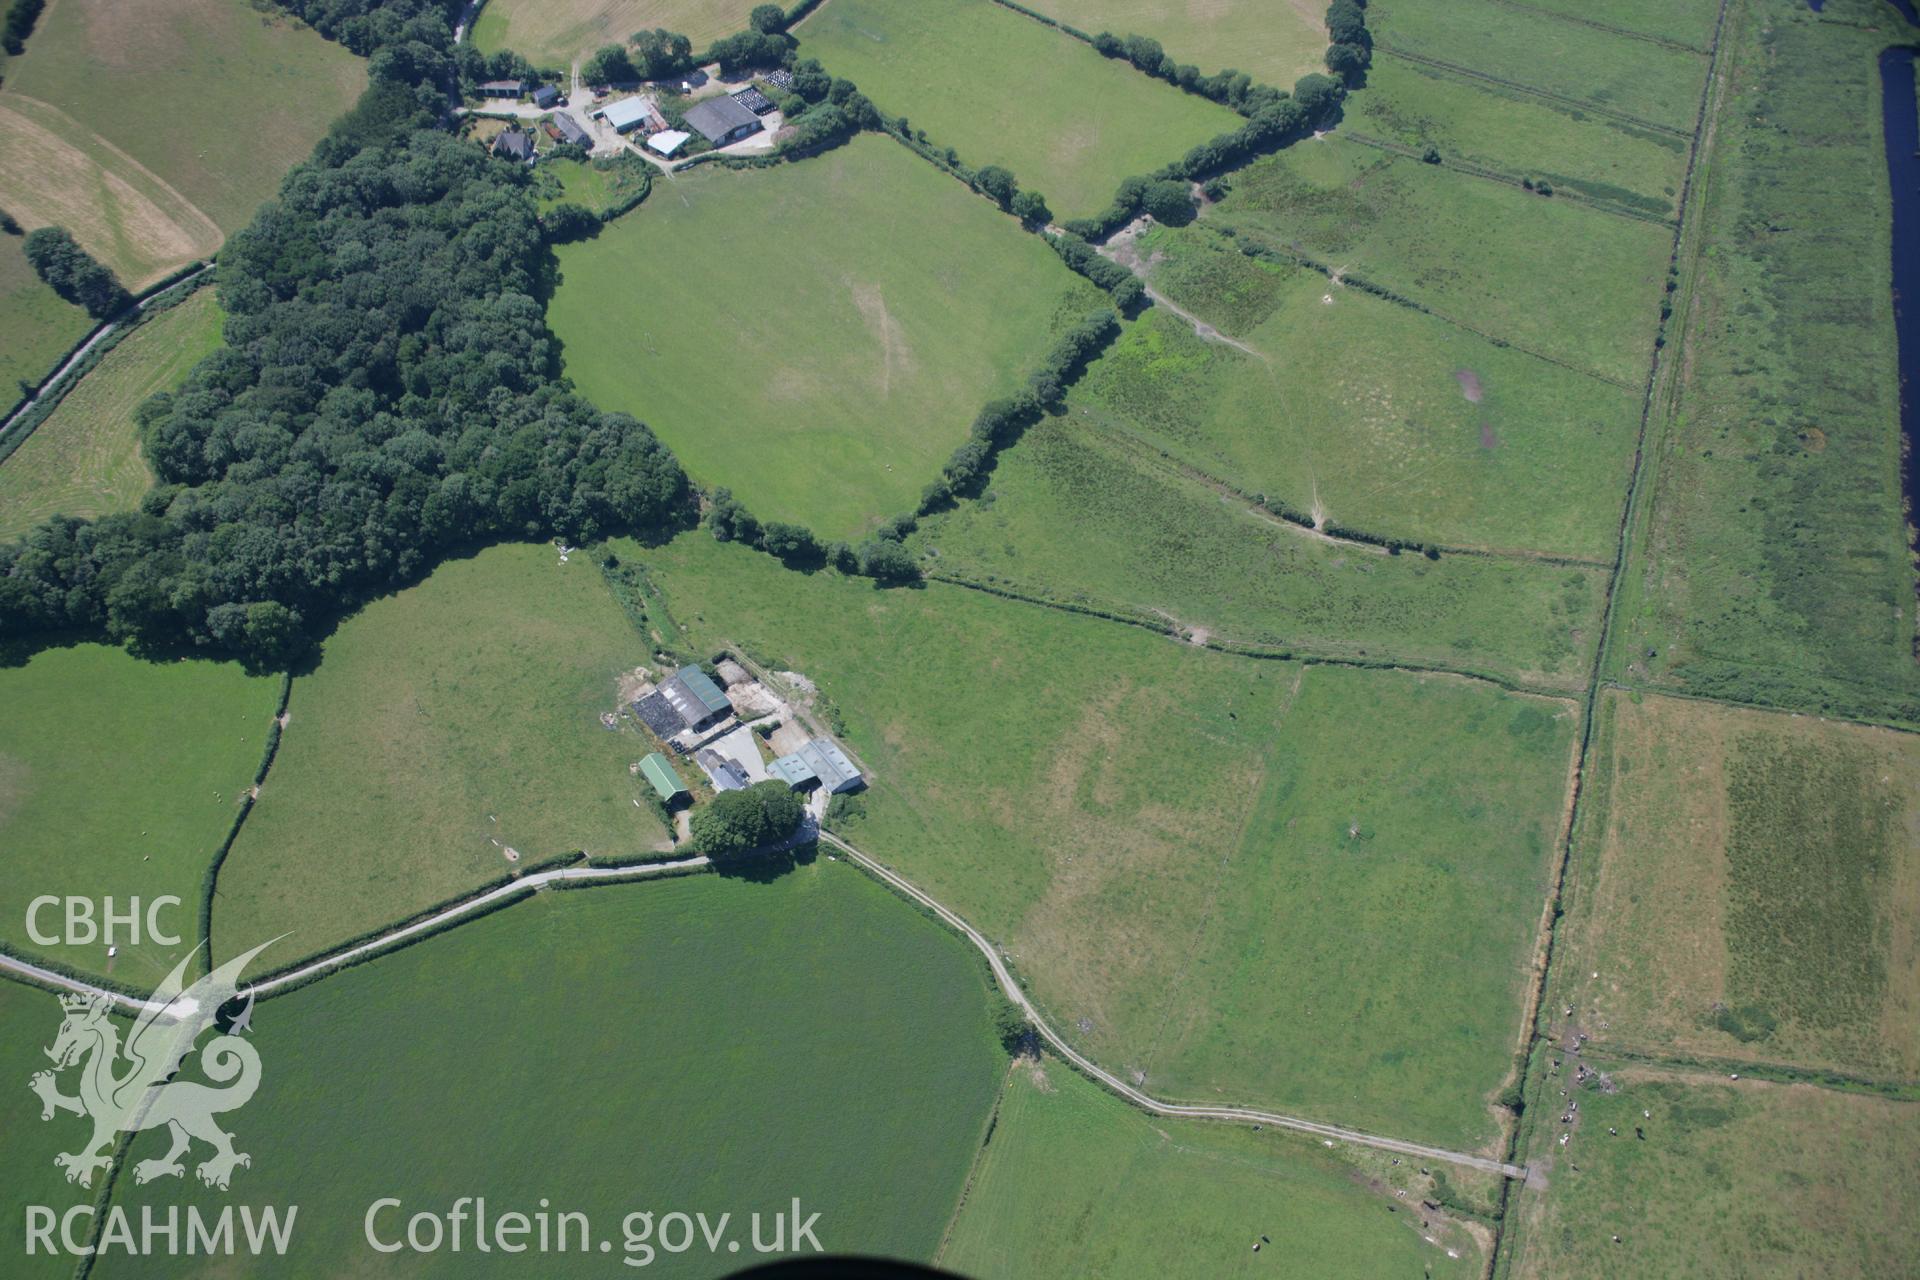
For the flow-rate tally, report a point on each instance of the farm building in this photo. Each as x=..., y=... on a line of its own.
x=754, y=100
x=667, y=141
x=627, y=114
x=722, y=120
x=503, y=88
x=727, y=774
x=665, y=781
x=820, y=761
x=514, y=145
x=694, y=697
x=546, y=96
x=570, y=131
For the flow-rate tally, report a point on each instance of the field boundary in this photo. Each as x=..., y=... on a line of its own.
x=1567, y=194
x=1628, y=32
x=1685, y=247
x=1533, y=91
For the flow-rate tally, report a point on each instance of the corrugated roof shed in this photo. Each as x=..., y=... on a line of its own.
x=667, y=141
x=718, y=117
x=694, y=696
x=662, y=776
x=830, y=764
x=793, y=771
x=626, y=113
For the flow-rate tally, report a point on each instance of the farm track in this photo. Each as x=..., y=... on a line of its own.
x=1578, y=104
x=1628, y=32
x=1506, y=179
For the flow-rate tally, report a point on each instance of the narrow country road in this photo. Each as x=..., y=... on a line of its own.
x=1327, y=1132
x=1127, y=1091
x=52, y=383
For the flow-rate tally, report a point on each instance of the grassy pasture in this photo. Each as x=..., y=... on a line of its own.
x=152, y=128
x=598, y=189
x=1773, y=565
x=29, y=1019
x=1073, y=1182
x=1550, y=276
x=1152, y=542
x=1523, y=46
x=560, y=32
x=1378, y=416
x=85, y=460
x=824, y=386
x=1689, y=22
x=1521, y=136
x=36, y=325
x=1274, y=43
x=120, y=777
x=443, y=726
x=697, y=1045
x=1147, y=827
x=1068, y=122
x=1732, y=1180
x=1745, y=889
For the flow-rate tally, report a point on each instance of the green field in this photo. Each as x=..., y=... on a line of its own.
x=1546, y=275
x=1274, y=43
x=1366, y=412
x=444, y=726
x=825, y=386
x=1068, y=122
x=693, y=1045
x=560, y=32
x=1073, y=1182
x=1774, y=564
x=120, y=777
x=1733, y=1180
x=1154, y=543
x=84, y=460
x=1148, y=828
x=29, y=1019
x=1689, y=22
x=1519, y=136
x=1745, y=889
x=598, y=187
x=36, y=326
x=1520, y=45
x=151, y=128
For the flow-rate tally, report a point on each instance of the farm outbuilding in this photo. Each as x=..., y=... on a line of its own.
x=727, y=774
x=571, y=132
x=503, y=88
x=819, y=761
x=627, y=114
x=659, y=772
x=546, y=96
x=694, y=697
x=722, y=120
x=667, y=141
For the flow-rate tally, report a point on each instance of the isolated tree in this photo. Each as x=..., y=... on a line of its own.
x=1011, y=1025
x=770, y=19
x=996, y=183
x=71, y=272
x=737, y=822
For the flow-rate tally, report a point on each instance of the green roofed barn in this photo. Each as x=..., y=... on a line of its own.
x=694, y=697
x=664, y=779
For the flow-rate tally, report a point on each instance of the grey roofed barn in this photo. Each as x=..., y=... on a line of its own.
x=722, y=120
x=571, y=131
x=694, y=697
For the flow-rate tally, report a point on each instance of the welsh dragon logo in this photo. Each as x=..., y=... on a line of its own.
x=131, y=1087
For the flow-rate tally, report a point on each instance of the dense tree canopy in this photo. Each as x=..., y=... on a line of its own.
x=387, y=392
x=737, y=822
